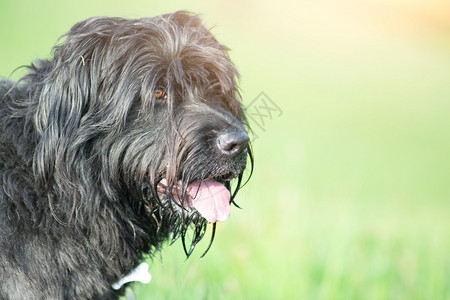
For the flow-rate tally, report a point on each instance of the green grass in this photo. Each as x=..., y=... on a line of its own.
x=350, y=193
x=326, y=251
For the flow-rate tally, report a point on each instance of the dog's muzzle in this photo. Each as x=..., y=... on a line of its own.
x=209, y=196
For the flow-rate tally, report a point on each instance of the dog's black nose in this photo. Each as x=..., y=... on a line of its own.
x=233, y=143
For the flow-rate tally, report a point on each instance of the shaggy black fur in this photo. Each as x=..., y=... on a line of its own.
x=88, y=137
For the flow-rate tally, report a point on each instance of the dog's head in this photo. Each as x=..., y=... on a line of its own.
x=147, y=111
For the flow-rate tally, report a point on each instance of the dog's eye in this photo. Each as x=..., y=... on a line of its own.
x=159, y=94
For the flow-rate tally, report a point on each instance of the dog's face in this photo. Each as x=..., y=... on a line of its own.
x=153, y=105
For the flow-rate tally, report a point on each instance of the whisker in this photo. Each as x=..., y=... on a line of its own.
x=211, y=240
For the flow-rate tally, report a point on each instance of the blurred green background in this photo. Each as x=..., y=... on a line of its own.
x=350, y=193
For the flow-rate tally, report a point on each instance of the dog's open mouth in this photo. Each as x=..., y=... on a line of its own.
x=209, y=197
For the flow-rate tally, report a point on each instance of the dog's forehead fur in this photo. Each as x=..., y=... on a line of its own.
x=174, y=51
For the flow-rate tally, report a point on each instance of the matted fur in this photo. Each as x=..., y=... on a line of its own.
x=84, y=143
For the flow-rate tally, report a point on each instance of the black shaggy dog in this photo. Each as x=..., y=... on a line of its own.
x=128, y=136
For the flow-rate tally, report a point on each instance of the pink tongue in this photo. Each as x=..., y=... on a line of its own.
x=211, y=199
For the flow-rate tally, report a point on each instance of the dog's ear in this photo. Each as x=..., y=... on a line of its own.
x=61, y=102
x=68, y=90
